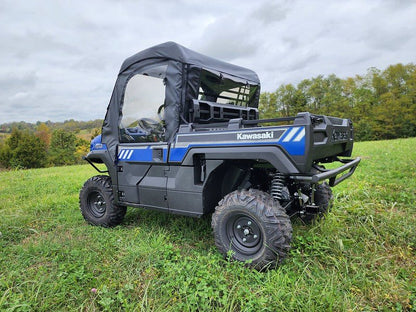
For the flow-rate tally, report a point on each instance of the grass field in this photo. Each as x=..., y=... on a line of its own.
x=361, y=257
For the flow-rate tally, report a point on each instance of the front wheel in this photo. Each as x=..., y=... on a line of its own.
x=96, y=201
x=252, y=227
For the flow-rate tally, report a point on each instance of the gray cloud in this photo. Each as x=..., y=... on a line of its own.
x=59, y=60
x=12, y=82
x=302, y=62
x=270, y=12
x=31, y=43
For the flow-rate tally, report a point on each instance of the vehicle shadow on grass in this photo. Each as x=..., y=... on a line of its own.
x=182, y=227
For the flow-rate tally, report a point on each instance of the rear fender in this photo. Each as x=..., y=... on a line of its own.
x=271, y=154
x=227, y=168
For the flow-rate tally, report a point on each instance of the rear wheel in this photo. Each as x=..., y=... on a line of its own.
x=252, y=227
x=96, y=202
x=323, y=201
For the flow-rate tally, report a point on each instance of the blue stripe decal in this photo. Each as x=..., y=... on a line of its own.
x=293, y=141
x=294, y=148
x=165, y=155
x=289, y=134
x=144, y=154
x=140, y=155
x=178, y=153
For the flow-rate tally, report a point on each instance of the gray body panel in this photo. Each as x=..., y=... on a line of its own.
x=271, y=154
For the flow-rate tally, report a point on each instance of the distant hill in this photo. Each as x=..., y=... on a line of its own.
x=69, y=125
x=82, y=129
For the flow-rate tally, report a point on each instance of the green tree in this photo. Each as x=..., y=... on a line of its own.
x=30, y=153
x=63, y=147
x=43, y=132
x=303, y=97
x=317, y=92
x=23, y=150
x=286, y=99
x=267, y=105
x=395, y=108
x=15, y=138
x=82, y=149
x=5, y=155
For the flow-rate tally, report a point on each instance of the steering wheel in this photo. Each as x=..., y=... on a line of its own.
x=159, y=112
x=148, y=124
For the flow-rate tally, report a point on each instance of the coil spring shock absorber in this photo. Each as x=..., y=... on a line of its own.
x=277, y=185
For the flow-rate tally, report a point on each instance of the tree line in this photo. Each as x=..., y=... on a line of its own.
x=382, y=104
x=45, y=144
x=42, y=148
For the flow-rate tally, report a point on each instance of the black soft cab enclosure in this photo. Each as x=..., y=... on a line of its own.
x=186, y=75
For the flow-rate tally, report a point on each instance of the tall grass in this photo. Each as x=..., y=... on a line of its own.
x=360, y=257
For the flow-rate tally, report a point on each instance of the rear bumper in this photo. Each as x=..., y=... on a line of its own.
x=348, y=169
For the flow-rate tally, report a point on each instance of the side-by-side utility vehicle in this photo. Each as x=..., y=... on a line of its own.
x=182, y=134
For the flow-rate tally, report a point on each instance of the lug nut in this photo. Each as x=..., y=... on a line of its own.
x=239, y=226
x=254, y=236
x=249, y=223
x=244, y=239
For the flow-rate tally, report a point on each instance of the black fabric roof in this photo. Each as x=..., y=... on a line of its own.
x=174, y=51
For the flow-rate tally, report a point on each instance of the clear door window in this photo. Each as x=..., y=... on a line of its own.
x=144, y=97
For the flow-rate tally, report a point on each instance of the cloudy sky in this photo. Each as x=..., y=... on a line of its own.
x=59, y=59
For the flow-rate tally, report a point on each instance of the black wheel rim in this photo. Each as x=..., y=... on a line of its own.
x=96, y=204
x=244, y=234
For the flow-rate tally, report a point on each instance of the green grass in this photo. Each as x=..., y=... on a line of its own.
x=361, y=257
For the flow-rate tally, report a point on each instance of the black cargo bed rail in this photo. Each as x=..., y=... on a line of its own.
x=240, y=121
x=257, y=121
x=350, y=164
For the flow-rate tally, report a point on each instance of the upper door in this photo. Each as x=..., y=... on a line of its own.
x=142, y=109
x=142, y=138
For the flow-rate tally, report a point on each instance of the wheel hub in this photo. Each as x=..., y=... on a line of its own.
x=99, y=203
x=245, y=234
x=96, y=204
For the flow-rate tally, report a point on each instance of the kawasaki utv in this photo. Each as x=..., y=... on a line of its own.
x=182, y=134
